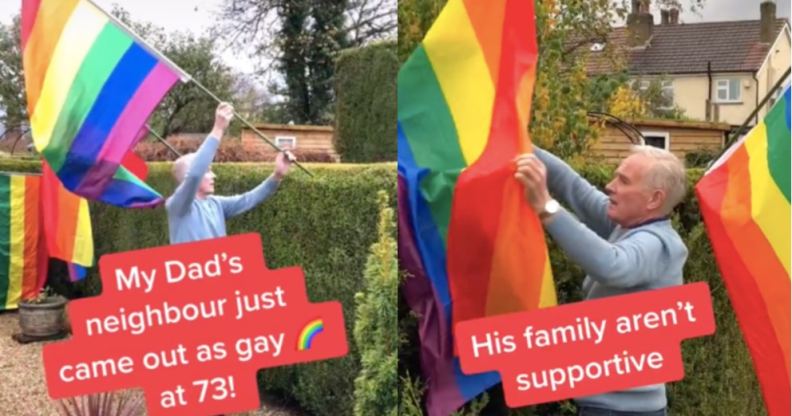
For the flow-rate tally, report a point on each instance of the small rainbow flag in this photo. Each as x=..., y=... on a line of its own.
x=745, y=202
x=479, y=249
x=308, y=333
x=22, y=252
x=91, y=85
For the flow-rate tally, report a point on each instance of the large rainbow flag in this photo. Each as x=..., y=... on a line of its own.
x=23, y=258
x=90, y=85
x=472, y=244
x=744, y=200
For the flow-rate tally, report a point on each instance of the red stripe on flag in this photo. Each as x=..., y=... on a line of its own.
x=489, y=274
x=32, y=228
x=136, y=165
x=30, y=9
x=60, y=221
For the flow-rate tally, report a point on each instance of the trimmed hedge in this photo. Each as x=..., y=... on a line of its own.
x=719, y=377
x=365, y=83
x=325, y=224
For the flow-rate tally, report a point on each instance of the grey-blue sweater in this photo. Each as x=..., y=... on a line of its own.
x=192, y=219
x=616, y=260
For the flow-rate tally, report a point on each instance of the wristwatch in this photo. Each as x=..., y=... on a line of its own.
x=551, y=207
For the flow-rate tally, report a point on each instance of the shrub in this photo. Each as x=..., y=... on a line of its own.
x=700, y=158
x=366, y=103
x=376, y=325
x=230, y=150
x=324, y=224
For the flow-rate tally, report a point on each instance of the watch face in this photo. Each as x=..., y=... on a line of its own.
x=552, y=206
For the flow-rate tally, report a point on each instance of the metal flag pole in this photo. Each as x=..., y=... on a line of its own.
x=163, y=141
x=185, y=77
x=249, y=125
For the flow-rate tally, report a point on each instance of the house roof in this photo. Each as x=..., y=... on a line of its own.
x=686, y=48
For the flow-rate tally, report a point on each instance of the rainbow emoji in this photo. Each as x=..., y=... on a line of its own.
x=308, y=333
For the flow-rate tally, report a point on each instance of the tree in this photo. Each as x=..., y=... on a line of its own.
x=376, y=323
x=301, y=38
x=12, y=82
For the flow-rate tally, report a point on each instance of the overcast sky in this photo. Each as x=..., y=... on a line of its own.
x=174, y=15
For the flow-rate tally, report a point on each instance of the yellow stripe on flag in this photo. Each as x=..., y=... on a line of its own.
x=461, y=69
x=16, y=261
x=83, y=244
x=547, y=296
x=82, y=29
x=769, y=209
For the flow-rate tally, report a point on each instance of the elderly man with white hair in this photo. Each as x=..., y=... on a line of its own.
x=623, y=239
x=194, y=212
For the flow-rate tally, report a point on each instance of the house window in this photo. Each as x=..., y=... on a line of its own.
x=656, y=139
x=286, y=142
x=728, y=90
x=667, y=94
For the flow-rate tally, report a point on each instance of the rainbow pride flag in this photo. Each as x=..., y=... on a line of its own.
x=744, y=200
x=90, y=86
x=472, y=244
x=22, y=253
x=66, y=224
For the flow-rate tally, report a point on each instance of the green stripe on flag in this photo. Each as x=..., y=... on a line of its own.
x=430, y=130
x=778, y=146
x=425, y=117
x=108, y=49
x=437, y=188
x=5, y=236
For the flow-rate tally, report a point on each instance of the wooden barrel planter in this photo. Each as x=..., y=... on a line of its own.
x=44, y=318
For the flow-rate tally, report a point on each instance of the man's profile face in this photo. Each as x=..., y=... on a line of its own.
x=207, y=183
x=628, y=195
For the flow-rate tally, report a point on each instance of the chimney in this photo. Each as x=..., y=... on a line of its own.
x=673, y=16
x=639, y=23
x=768, y=17
x=664, y=17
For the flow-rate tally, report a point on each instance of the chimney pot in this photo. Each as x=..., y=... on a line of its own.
x=664, y=17
x=673, y=16
x=768, y=16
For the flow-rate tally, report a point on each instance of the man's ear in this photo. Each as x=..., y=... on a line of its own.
x=656, y=199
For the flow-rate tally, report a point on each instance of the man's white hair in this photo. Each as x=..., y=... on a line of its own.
x=181, y=166
x=666, y=172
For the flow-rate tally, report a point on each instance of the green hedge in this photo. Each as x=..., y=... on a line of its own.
x=365, y=83
x=325, y=224
x=719, y=377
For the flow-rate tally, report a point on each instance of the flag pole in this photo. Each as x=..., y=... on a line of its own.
x=249, y=125
x=185, y=77
x=163, y=141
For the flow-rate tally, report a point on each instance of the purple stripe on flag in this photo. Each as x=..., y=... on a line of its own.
x=126, y=130
x=437, y=363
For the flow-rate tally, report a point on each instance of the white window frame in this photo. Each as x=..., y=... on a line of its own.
x=667, y=84
x=292, y=139
x=720, y=86
x=664, y=134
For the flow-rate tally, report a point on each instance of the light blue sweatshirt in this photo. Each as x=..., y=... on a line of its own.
x=616, y=260
x=193, y=219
